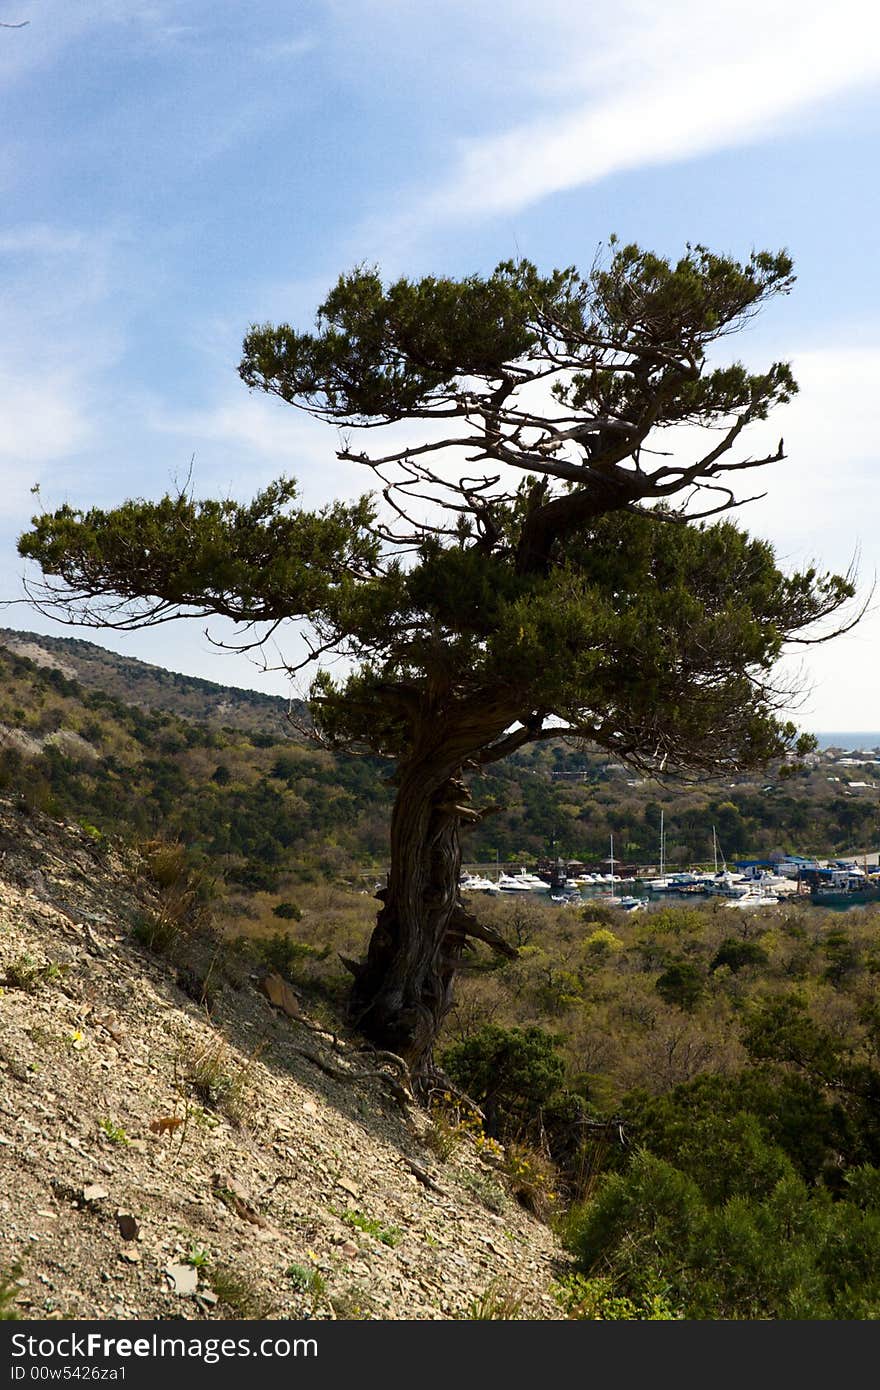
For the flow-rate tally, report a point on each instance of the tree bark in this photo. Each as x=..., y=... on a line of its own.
x=403, y=989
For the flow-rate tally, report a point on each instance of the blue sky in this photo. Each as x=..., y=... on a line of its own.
x=173, y=172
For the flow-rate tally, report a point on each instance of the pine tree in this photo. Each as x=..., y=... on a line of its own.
x=531, y=566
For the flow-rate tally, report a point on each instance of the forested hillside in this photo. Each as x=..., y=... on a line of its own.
x=150, y=687
x=118, y=742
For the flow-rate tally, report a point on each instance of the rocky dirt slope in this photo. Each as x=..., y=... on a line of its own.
x=158, y=1161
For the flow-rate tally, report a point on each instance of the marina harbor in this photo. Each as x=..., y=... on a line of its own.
x=839, y=883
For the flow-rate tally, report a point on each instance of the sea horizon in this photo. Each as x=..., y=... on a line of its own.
x=853, y=740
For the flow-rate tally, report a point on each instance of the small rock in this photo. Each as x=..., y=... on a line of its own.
x=280, y=993
x=128, y=1225
x=183, y=1278
x=208, y=1296
x=111, y=1023
x=349, y=1250
x=309, y=1107
x=348, y=1187
x=131, y=1254
x=94, y=1192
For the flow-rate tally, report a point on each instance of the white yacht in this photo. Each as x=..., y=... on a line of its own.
x=475, y=883
x=728, y=885
x=764, y=881
x=723, y=881
x=523, y=882
x=568, y=897
x=611, y=898
x=755, y=897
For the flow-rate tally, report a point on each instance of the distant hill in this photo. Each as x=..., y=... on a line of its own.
x=253, y=799
x=151, y=687
x=118, y=742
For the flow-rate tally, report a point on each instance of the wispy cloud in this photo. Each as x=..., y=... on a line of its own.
x=44, y=420
x=817, y=503
x=659, y=84
x=56, y=347
x=40, y=239
x=241, y=441
x=56, y=24
x=819, y=511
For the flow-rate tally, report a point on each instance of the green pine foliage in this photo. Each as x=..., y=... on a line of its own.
x=509, y=1072
x=781, y=1250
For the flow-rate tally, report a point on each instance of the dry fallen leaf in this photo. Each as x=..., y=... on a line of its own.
x=166, y=1124
x=112, y=1025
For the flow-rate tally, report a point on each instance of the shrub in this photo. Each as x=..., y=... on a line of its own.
x=531, y=1178
x=114, y=1132
x=738, y=954
x=508, y=1072
x=387, y=1235
x=260, y=878
x=309, y=1281
x=595, y=1299
x=166, y=862
x=27, y=974
x=681, y=984
x=789, y=1252
x=8, y=1294
x=219, y=1082
x=288, y=911
x=786, y=1111
x=602, y=943
x=238, y=1293
x=280, y=952
x=499, y=1300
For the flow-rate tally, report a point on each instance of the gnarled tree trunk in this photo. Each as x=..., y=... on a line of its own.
x=403, y=990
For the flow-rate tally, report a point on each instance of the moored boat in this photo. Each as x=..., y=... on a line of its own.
x=475, y=883
x=845, y=888
x=523, y=882
x=755, y=897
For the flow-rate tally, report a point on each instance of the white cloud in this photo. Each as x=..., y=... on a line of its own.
x=55, y=24
x=821, y=508
x=40, y=421
x=242, y=441
x=54, y=348
x=820, y=499
x=659, y=84
x=41, y=239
